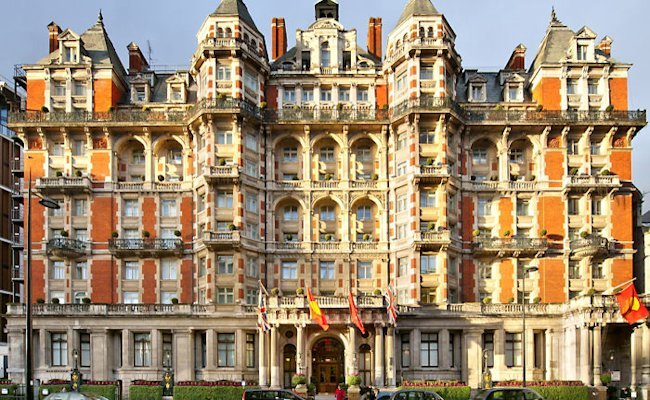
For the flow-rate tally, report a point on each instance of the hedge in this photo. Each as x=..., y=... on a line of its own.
x=107, y=391
x=11, y=388
x=137, y=392
x=447, y=392
x=562, y=392
x=209, y=392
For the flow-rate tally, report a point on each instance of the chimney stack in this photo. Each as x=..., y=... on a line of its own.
x=517, y=60
x=605, y=46
x=137, y=61
x=55, y=31
x=375, y=37
x=278, y=38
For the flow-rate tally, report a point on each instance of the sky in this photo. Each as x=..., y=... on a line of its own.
x=487, y=32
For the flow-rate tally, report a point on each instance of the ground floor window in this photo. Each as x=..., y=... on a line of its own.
x=226, y=349
x=429, y=350
x=365, y=365
x=59, y=349
x=142, y=348
x=513, y=349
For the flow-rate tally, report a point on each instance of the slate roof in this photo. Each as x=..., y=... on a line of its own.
x=555, y=44
x=235, y=8
x=645, y=219
x=492, y=84
x=417, y=7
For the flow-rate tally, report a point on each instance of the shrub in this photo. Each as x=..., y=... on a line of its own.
x=605, y=172
x=353, y=380
x=537, y=300
x=476, y=233
x=375, y=177
x=449, y=390
x=232, y=227
x=11, y=388
x=511, y=300
x=64, y=234
x=487, y=300
x=300, y=291
x=56, y=300
x=201, y=390
x=377, y=292
x=298, y=379
x=146, y=234
x=40, y=301
x=506, y=234
x=263, y=105
x=573, y=171
x=543, y=232
x=431, y=226
x=105, y=389
x=606, y=378
x=429, y=161
x=177, y=233
x=555, y=390
x=275, y=291
x=222, y=162
x=115, y=235
x=86, y=300
x=366, y=237
x=145, y=391
x=584, y=234
x=78, y=173
x=45, y=109
x=59, y=174
x=174, y=300
x=609, y=108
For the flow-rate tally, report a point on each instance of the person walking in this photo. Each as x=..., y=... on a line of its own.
x=339, y=394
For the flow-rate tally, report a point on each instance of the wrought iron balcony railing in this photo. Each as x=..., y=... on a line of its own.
x=117, y=116
x=426, y=104
x=226, y=105
x=67, y=248
x=532, y=116
x=326, y=114
x=510, y=244
x=589, y=181
x=148, y=246
x=591, y=245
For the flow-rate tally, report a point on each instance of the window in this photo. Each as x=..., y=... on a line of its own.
x=202, y=269
x=131, y=271
x=58, y=149
x=59, y=89
x=58, y=212
x=168, y=269
x=224, y=199
x=597, y=270
x=594, y=86
x=78, y=297
x=81, y=270
x=513, y=93
x=168, y=208
x=477, y=92
x=428, y=199
x=130, y=298
x=488, y=347
x=429, y=350
x=574, y=270
x=485, y=270
x=251, y=142
x=224, y=137
x=344, y=95
x=250, y=81
x=79, y=207
x=79, y=88
x=252, y=231
x=405, y=350
x=426, y=72
x=401, y=142
x=574, y=206
x=326, y=154
x=327, y=270
x=226, y=350
x=142, y=349
x=166, y=297
x=513, y=350
x=403, y=265
x=364, y=270
x=326, y=95
x=203, y=296
x=582, y=52
x=594, y=148
x=325, y=55
x=84, y=347
x=251, y=296
x=57, y=270
x=484, y=207
x=59, y=349
x=401, y=231
x=167, y=349
x=290, y=154
x=364, y=213
x=364, y=154
x=573, y=146
x=523, y=207
x=479, y=156
x=597, y=206
x=517, y=156
x=327, y=213
x=402, y=202
x=252, y=267
x=400, y=82
x=140, y=93
x=307, y=95
x=225, y=296
x=427, y=137
x=223, y=73
x=401, y=168
x=225, y=265
x=572, y=86
x=251, y=202
x=289, y=270
x=362, y=95
x=81, y=235
x=250, y=350
x=78, y=147
x=428, y=264
x=131, y=208
x=137, y=157
x=451, y=350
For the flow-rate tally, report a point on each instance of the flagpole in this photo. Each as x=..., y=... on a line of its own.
x=611, y=291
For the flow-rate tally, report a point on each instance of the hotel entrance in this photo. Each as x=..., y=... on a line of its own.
x=327, y=364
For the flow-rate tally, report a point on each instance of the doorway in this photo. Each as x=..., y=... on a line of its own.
x=328, y=358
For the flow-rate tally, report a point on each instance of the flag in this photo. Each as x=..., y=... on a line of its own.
x=392, y=307
x=262, y=318
x=354, y=315
x=315, y=312
x=631, y=307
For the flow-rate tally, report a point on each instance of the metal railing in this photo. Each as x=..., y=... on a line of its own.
x=226, y=104
x=145, y=244
x=510, y=243
x=17, y=215
x=443, y=236
x=426, y=104
x=18, y=164
x=591, y=242
x=638, y=116
x=592, y=180
x=229, y=236
x=72, y=245
x=352, y=114
x=121, y=115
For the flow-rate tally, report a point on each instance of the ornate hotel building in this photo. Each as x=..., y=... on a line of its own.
x=336, y=167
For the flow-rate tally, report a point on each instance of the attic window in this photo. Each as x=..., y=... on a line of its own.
x=176, y=94
x=69, y=54
x=514, y=92
x=139, y=93
x=582, y=52
x=477, y=92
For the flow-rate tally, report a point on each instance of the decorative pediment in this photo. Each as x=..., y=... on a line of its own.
x=176, y=78
x=478, y=79
x=586, y=33
x=514, y=78
x=139, y=79
x=326, y=24
x=68, y=35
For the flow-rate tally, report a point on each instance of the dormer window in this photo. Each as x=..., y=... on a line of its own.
x=69, y=54
x=325, y=59
x=140, y=94
x=514, y=92
x=176, y=95
x=477, y=92
x=582, y=52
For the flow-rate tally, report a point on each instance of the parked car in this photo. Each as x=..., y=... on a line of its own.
x=508, y=393
x=384, y=395
x=415, y=394
x=270, y=394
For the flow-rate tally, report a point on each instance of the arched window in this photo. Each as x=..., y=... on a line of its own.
x=421, y=32
x=430, y=32
x=253, y=44
x=325, y=58
x=289, y=364
x=228, y=32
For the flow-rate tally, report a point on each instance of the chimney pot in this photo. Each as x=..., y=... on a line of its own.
x=278, y=38
x=375, y=37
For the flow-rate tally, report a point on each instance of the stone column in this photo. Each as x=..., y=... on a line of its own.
x=127, y=353
x=379, y=356
x=300, y=348
x=352, y=363
x=100, y=354
x=443, y=346
x=275, y=366
x=471, y=371
x=549, y=356
x=240, y=350
x=183, y=355
x=16, y=341
x=391, y=372
x=43, y=344
x=585, y=362
x=415, y=348
x=597, y=361
x=635, y=356
x=156, y=350
x=645, y=368
x=210, y=346
x=530, y=354
x=262, y=367
x=499, y=354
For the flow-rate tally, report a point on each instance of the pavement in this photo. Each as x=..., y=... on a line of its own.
x=324, y=397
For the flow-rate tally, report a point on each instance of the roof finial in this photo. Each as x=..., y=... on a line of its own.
x=100, y=18
x=554, y=19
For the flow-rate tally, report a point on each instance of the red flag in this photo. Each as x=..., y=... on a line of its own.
x=631, y=307
x=315, y=312
x=354, y=315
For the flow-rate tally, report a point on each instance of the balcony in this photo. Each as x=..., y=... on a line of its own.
x=326, y=114
x=591, y=246
x=123, y=117
x=17, y=216
x=533, y=117
x=433, y=173
x=64, y=184
x=225, y=105
x=426, y=105
x=129, y=310
x=221, y=240
x=510, y=246
x=503, y=186
x=290, y=185
x=325, y=185
x=592, y=181
x=369, y=247
x=325, y=302
x=290, y=247
x=145, y=248
x=18, y=166
x=67, y=248
x=18, y=273
x=221, y=174
x=331, y=247
x=432, y=239
x=226, y=46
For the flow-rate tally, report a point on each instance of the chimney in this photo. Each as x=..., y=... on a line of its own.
x=605, y=46
x=137, y=61
x=278, y=38
x=55, y=31
x=517, y=60
x=374, y=37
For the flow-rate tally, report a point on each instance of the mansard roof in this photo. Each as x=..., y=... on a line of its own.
x=555, y=44
x=235, y=8
x=99, y=47
x=415, y=8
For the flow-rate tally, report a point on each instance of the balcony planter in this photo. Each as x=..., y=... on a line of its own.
x=506, y=234
x=487, y=300
x=85, y=300
x=40, y=301
x=275, y=292
x=222, y=162
x=377, y=292
x=543, y=233
x=115, y=235
x=232, y=227
x=59, y=174
x=537, y=300
x=64, y=234
x=177, y=233
x=174, y=300
x=146, y=234
x=56, y=300
x=476, y=233
x=375, y=177
x=584, y=234
x=300, y=292
x=431, y=227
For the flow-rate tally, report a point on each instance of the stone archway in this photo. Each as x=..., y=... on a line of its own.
x=328, y=364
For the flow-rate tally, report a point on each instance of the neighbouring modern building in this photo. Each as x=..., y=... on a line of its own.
x=336, y=167
x=11, y=217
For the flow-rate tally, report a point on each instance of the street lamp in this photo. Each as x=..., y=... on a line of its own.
x=47, y=203
x=523, y=308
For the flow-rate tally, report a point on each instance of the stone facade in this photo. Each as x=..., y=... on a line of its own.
x=476, y=195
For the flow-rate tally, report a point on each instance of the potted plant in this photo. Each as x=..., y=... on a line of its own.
x=573, y=171
x=366, y=237
x=64, y=234
x=606, y=378
x=584, y=234
x=507, y=233
x=328, y=177
x=377, y=292
x=537, y=300
x=222, y=162
x=605, y=172
x=510, y=300
x=543, y=233
x=115, y=235
x=429, y=161
x=431, y=226
x=275, y=292
x=263, y=105
x=232, y=227
x=609, y=108
x=45, y=109
x=59, y=174
x=298, y=382
x=289, y=237
x=174, y=300
x=40, y=301
x=353, y=382
x=85, y=300
x=375, y=177
x=540, y=108
x=177, y=233
x=328, y=237
x=487, y=300
x=300, y=292
x=146, y=234
x=78, y=173
x=476, y=233
x=56, y=300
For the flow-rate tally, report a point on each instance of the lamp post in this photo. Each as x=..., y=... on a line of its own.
x=47, y=203
x=523, y=313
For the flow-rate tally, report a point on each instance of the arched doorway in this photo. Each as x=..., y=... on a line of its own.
x=289, y=361
x=328, y=357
